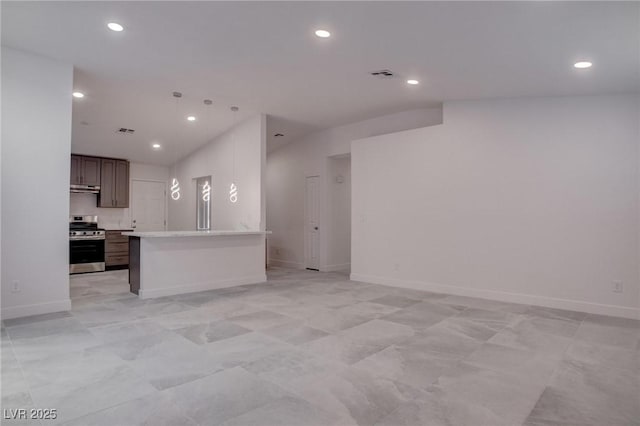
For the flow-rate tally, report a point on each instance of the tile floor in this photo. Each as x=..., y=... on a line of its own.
x=309, y=348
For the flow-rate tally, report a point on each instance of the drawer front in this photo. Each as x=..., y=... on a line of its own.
x=117, y=247
x=116, y=237
x=112, y=260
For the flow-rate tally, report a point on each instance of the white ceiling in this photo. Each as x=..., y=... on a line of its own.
x=263, y=57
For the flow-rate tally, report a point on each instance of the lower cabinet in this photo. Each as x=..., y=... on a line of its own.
x=116, y=250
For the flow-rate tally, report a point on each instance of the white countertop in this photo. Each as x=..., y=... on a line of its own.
x=174, y=234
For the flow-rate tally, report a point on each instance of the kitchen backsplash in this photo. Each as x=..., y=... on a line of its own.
x=85, y=204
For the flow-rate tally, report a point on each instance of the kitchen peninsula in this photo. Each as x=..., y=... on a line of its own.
x=175, y=262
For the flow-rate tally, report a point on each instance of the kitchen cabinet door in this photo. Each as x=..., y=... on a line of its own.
x=90, y=170
x=121, y=189
x=76, y=166
x=114, y=178
x=106, y=198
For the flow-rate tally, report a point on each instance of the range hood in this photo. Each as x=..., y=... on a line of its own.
x=85, y=189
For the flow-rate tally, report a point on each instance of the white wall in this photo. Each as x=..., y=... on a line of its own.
x=86, y=204
x=216, y=159
x=526, y=200
x=288, y=166
x=36, y=143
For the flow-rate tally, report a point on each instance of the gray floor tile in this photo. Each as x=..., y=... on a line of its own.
x=56, y=344
x=165, y=359
x=407, y=365
x=8, y=323
x=339, y=319
x=538, y=366
x=590, y=395
x=155, y=409
x=356, y=397
x=15, y=404
x=294, y=333
x=287, y=411
x=224, y=395
x=259, y=320
x=212, y=332
x=557, y=327
x=606, y=334
x=530, y=338
x=440, y=411
x=423, y=315
x=396, y=300
x=73, y=400
x=125, y=330
x=242, y=349
x=357, y=343
x=71, y=369
x=504, y=398
x=551, y=313
x=604, y=355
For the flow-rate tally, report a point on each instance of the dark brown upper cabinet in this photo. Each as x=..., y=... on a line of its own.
x=114, y=183
x=85, y=170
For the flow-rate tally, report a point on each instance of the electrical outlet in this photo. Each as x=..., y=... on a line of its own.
x=618, y=287
x=15, y=286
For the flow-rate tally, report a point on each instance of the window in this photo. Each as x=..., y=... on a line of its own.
x=203, y=203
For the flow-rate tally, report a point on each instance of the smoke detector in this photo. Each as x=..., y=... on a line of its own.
x=382, y=73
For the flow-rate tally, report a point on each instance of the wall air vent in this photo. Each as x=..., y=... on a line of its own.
x=278, y=135
x=125, y=131
x=382, y=73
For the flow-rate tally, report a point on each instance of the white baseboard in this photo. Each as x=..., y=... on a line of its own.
x=336, y=267
x=36, y=309
x=194, y=288
x=526, y=299
x=285, y=264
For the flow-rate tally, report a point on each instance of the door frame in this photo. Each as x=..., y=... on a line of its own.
x=305, y=221
x=166, y=201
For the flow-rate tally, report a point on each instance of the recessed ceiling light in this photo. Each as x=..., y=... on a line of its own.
x=582, y=64
x=414, y=82
x=323, y=33
x=78, y=95
x=114, y=26
x=191, y=118
x=156, y=146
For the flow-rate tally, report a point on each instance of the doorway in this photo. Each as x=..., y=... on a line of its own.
x=312, y=223
x=148, y=205
x=338, y=229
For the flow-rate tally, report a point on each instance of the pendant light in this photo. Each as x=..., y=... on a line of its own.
x=206, y=191
x=233, y=188
x=175, y=185
x=206, y=188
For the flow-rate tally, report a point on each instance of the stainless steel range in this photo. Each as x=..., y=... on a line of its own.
x=86, y=245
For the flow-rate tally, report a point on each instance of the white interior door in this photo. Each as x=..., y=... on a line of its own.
x=312, y=223
x=148, y=201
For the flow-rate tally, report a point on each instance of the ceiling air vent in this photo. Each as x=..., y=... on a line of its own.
x=125, y=131
x=382, y=73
